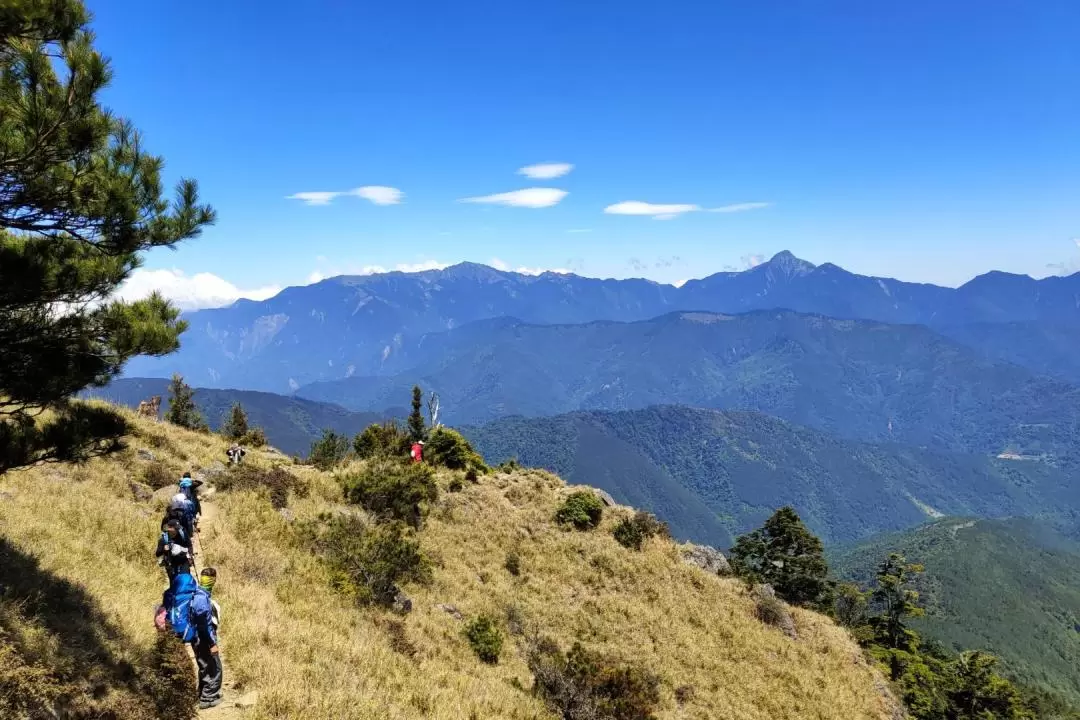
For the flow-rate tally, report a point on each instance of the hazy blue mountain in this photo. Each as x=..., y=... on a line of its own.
x=859, y=379
x=291, y=423
x=367, y=325
x=712, y=475
x=1048, y=348
x=1011, y=587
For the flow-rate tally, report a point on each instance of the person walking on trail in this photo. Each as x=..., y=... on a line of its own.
x=174, y=550
x=205, y=616
x=190, y=488
x=236, y=454
x=182, y=510
x=417, y=451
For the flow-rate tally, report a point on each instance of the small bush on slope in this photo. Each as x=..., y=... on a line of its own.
x=582, y=509
x=393, y=490
x=485, y=638
x=448, y=448
x=386, y=440
x=632, y=532
x=278, y=481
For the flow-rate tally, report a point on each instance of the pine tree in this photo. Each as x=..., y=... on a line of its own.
x=786, y=555
x=417, y=427
x=80, y=200
x=182, y=408
x=236, y=426
x=328, y=451
x=895, y=603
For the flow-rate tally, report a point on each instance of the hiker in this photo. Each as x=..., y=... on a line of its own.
x=190, y=488
x=205, y=615
x=174, y=550
x=417, y=452
x=182, y=510
x=189, y=612
x=236, y=454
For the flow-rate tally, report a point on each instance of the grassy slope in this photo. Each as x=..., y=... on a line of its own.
x=1008, y=586
x=309, y=654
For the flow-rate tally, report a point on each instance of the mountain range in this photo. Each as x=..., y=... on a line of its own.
x=369, y=325
x=712, y=475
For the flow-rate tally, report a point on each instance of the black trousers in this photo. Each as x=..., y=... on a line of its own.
x=209, y=672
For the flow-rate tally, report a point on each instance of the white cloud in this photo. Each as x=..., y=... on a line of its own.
x=579, y=230
x=527, y=198
x=499, y=264
x=329, y=270
x=740, y=207
x=201, y=290
x=378, y=194
x=503, y=266
x=667, y=212
x=546, y=171
x=660, y=212
x=680, y=283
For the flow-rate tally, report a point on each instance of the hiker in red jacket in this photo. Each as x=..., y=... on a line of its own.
x=418, y=451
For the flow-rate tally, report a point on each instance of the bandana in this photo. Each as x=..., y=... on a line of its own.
x=206, y=582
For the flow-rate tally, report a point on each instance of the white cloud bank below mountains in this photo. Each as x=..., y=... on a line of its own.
x=194, y=292
x=378, y=194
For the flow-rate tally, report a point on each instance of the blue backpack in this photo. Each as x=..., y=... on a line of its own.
x=178, y=603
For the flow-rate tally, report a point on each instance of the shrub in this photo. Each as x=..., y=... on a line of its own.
x=368, y=560
x=513, y=563
x=157, y=475
x=471, y=475
x=582, y=509
x=633, y=532
x=770, y=610
x=171, y=683
x=328, y=451
x=585, y=686
x=486, y=639
x=455, y=485
x=393, y=490
x=509, y=466
x=449, y=448
x=278, y=481
x=254, y=438
x=236, y=424
x=684, y=694
x=388, y=439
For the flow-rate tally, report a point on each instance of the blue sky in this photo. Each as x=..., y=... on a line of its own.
x=923, y=140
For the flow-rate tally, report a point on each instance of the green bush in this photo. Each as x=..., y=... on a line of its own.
x=582, y=509
x=393, y=490
x=449, y=448
x=157, y=475
x=386, y=440
x=633, y=532
x=368, y=560
x=455, y=485
x=486, y=639
x=254, y=438
x=513, y=563
x=278, y=482
x=329, y=451
x=585, y=686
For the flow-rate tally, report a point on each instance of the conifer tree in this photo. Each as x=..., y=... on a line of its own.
x=895, y=602
x=786, y=555
x=80, y=200
x=236, y=426
x=182, y=408
x=417, y=427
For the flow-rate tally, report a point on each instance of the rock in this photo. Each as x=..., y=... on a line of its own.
x=451, y=611
x=772, y=611
x=605, y=496
x=145, y=454
x=165, y=494
x=140, y=492
x=402, y=603
x=707, y=558
x=211, y=472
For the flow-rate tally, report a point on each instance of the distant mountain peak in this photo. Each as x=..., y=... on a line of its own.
x=790, y=266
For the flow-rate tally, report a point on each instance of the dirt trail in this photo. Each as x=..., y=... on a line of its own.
x=235, y=706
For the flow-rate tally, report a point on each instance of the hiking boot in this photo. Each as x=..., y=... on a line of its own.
x=206, y=704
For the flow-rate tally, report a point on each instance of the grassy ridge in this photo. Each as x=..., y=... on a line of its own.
x=309, y=653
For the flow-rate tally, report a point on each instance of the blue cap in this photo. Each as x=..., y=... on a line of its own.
x=185, y=482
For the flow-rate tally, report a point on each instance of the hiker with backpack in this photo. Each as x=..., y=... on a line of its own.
x=182, y=510
x=189, y=612
x=190, y=488
x=174, y=550
x=235, y=454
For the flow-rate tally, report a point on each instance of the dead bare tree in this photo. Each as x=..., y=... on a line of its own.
x=433, y=410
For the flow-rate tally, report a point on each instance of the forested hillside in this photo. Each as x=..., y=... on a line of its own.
x=714, y=474
x=1008, y=586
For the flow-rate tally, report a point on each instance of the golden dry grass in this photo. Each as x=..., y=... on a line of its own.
x=310, y=654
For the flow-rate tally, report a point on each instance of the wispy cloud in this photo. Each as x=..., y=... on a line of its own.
x=579, y=230
x=201, y=290
x=378, y=194
x=527, y=198
x=740, y=207
x=1067, y=267
x=329, y=270
x=546, y=171
x=636, y=265
x=752, y=261
x=680, y=283
x=669, y=211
